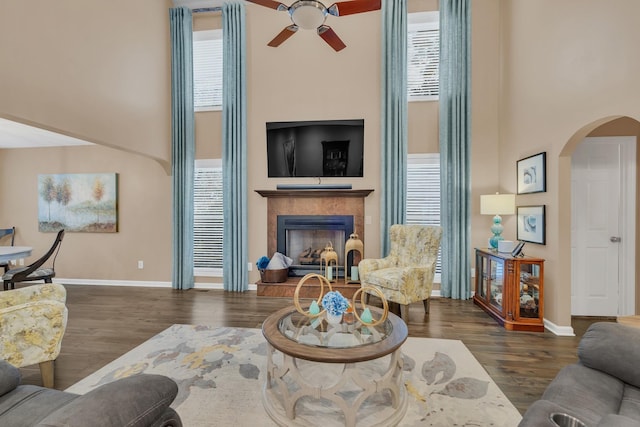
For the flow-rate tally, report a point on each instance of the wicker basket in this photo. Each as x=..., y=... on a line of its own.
x=274, y=276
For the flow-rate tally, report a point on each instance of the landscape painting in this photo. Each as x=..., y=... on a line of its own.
x=78, y=202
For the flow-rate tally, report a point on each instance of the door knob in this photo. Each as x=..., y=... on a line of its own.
x=615, y=239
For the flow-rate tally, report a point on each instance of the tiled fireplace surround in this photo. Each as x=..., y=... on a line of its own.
x=310, y=202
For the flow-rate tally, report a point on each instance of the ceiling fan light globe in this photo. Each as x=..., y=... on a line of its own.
x=308, y=14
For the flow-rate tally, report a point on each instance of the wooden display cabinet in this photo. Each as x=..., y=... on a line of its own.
x=511, y=289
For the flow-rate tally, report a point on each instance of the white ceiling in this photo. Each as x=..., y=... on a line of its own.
x=17, y=135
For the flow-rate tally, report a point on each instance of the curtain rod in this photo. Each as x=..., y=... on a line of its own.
x=207, y=9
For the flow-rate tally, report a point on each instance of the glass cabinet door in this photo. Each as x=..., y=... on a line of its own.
x=482, y=264
x=529, y=291
x=496, y=283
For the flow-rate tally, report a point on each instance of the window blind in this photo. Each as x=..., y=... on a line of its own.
x=207, y=69
x=423, y=192
x=423, y=57
x=207, y=218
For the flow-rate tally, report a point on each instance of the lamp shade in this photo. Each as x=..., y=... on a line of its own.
x=498, y=204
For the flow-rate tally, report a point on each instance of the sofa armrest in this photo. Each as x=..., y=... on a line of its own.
x=32, y=333
x=9, y=377
x=612, y=348
x=136, y=401
x=615, y=420
x=46, y=291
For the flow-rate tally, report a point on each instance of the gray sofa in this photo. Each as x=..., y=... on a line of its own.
x=603, y=388
x=140, y=400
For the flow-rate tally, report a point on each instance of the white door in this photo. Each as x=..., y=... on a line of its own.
x=600, y=201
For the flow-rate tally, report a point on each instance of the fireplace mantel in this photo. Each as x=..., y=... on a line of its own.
x=314, y=193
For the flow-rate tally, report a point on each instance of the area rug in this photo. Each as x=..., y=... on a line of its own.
x=221, y=372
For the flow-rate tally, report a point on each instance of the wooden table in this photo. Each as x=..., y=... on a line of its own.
x=8, y=253
x=309, y=359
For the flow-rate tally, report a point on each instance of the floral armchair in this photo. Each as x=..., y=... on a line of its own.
x=406, y=274
x=33, y=320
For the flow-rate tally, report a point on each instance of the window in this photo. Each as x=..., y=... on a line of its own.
x=423, y=56
x=207, y=70
x=207, y=218
x=423, y=192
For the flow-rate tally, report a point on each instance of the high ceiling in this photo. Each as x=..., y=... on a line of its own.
x=17, y=135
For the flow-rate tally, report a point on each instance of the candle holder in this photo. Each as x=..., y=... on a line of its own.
x=356, y=245
x=329, y=263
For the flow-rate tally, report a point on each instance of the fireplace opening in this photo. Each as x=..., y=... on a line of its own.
x=304, y=237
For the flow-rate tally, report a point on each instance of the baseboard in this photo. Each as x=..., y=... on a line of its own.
x=561, y=331
x=139, y=283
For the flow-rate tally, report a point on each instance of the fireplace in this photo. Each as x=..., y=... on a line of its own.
x=308, y=204
x=304, y=237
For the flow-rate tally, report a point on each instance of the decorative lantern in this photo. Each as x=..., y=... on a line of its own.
x=329, y=262
x=352, y=244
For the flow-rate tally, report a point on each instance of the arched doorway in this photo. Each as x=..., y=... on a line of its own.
x=586, y=285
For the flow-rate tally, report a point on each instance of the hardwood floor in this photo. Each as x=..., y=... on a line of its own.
x=106, y=322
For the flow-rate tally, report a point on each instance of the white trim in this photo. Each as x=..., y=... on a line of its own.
x=628, y=180
x=207, y=272
x=561, y=331
x=208, y=163
x=136, y=283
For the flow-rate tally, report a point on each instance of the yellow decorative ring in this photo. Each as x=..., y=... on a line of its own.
x=385, y=305
x=296, y=294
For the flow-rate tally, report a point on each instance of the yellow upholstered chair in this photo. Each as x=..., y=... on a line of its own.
x=33, y=320
x=406, y=274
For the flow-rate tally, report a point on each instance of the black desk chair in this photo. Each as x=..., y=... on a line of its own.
x=35, y=271
x=3, y=233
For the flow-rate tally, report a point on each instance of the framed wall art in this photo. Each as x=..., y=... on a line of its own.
x=85, y=202
x=532, y=174
x=531, y=224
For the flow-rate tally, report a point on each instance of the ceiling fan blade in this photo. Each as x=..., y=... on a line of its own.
x=270, y=4
x=331, y=38
x=284, y=35
x=343, y=8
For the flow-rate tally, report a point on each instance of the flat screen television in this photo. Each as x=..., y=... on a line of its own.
x=318, y=148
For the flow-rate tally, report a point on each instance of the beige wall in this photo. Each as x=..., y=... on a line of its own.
x=557, y=85
x=99, y=71
x=144, y=212
x=533, y=91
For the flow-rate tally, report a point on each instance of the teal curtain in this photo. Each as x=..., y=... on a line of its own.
x=182, y=146
x=455, y=139
x=394, y=118
x=234, y=148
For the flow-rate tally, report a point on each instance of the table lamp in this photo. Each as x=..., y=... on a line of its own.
x=497, y=204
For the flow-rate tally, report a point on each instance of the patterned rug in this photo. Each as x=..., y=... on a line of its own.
x=221, y=372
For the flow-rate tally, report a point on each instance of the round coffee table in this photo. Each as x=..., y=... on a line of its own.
x=317, y=371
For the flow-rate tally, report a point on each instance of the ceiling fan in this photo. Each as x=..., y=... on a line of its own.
x=311, y=14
